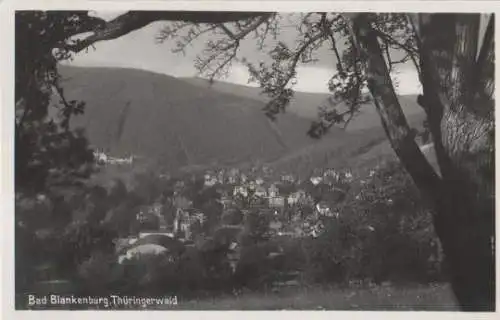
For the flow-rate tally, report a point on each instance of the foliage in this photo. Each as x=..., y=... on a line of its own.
x=47, y=152
x=232, y=216
x=384, y=232
x=256, y=226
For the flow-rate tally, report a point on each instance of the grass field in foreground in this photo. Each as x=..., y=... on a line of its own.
x=429, y=298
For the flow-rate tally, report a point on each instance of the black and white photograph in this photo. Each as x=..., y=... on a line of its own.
x=229, y=160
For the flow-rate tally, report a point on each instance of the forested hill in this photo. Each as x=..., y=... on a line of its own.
x=156, y=116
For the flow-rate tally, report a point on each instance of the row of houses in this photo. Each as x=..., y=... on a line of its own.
x=231, y=177
x=103, y=159
x=331, y=176
x=270, y=195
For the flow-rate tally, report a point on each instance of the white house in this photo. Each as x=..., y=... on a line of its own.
x=210, y=180
x=348, y=176
x=273, y=191
x=324, y=210
x=316, y=180
x=240, y=190
x=259, y=181
x=144, y=249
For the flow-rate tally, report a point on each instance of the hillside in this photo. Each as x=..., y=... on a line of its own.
x=179, y=124
x=362, y=144
x=184, y=123
x=304, y=104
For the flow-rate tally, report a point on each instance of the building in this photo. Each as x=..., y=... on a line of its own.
x=221, y=177
x=252, y=185
x=297, y=197
x=323, y=209
x=259, y=181
x=276, y=202
x=240, y=190
x=273, y=191
x=100, y=157
x=316, y=180
x=260, y=191
x=243, y=178
x=210, y=180
x=288, y=178
x=146, y=233
x=348, y=176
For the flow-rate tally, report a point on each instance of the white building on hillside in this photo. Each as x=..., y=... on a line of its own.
x=316, y=180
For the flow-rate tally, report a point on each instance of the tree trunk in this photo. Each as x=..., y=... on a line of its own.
x=458, y=90
x=459, y=106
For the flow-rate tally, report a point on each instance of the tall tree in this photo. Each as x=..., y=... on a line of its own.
x=48, y=153
x=457, y=80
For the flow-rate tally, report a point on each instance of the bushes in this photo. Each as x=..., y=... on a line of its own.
x=384, y=233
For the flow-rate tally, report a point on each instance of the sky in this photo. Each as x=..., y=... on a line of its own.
x=140, y=50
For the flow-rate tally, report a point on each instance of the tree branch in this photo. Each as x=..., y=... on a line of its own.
x=485, y=65
x=134, y=20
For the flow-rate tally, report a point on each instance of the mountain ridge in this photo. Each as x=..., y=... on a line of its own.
x=180, y=124
x=131, y=111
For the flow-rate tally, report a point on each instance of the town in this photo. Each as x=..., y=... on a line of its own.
x=291, y=205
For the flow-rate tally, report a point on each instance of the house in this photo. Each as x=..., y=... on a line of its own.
x=199, y=216
x=221, y=177
x=210, y=180
x=259, y=181
x=324, y=210
x=147, y=233
x=183, y=221
x=243, y=178
x=100, y=157
x=288, y=178
x=316, y=180
x=120, y=161
x=296, y=197
x=348, y=176
x=232, y=180
x=240, y=190
x=252, y=185
x=232, y=176
x=273, y=191
x=260, y=191
x=332, y=174
x=276, y=202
